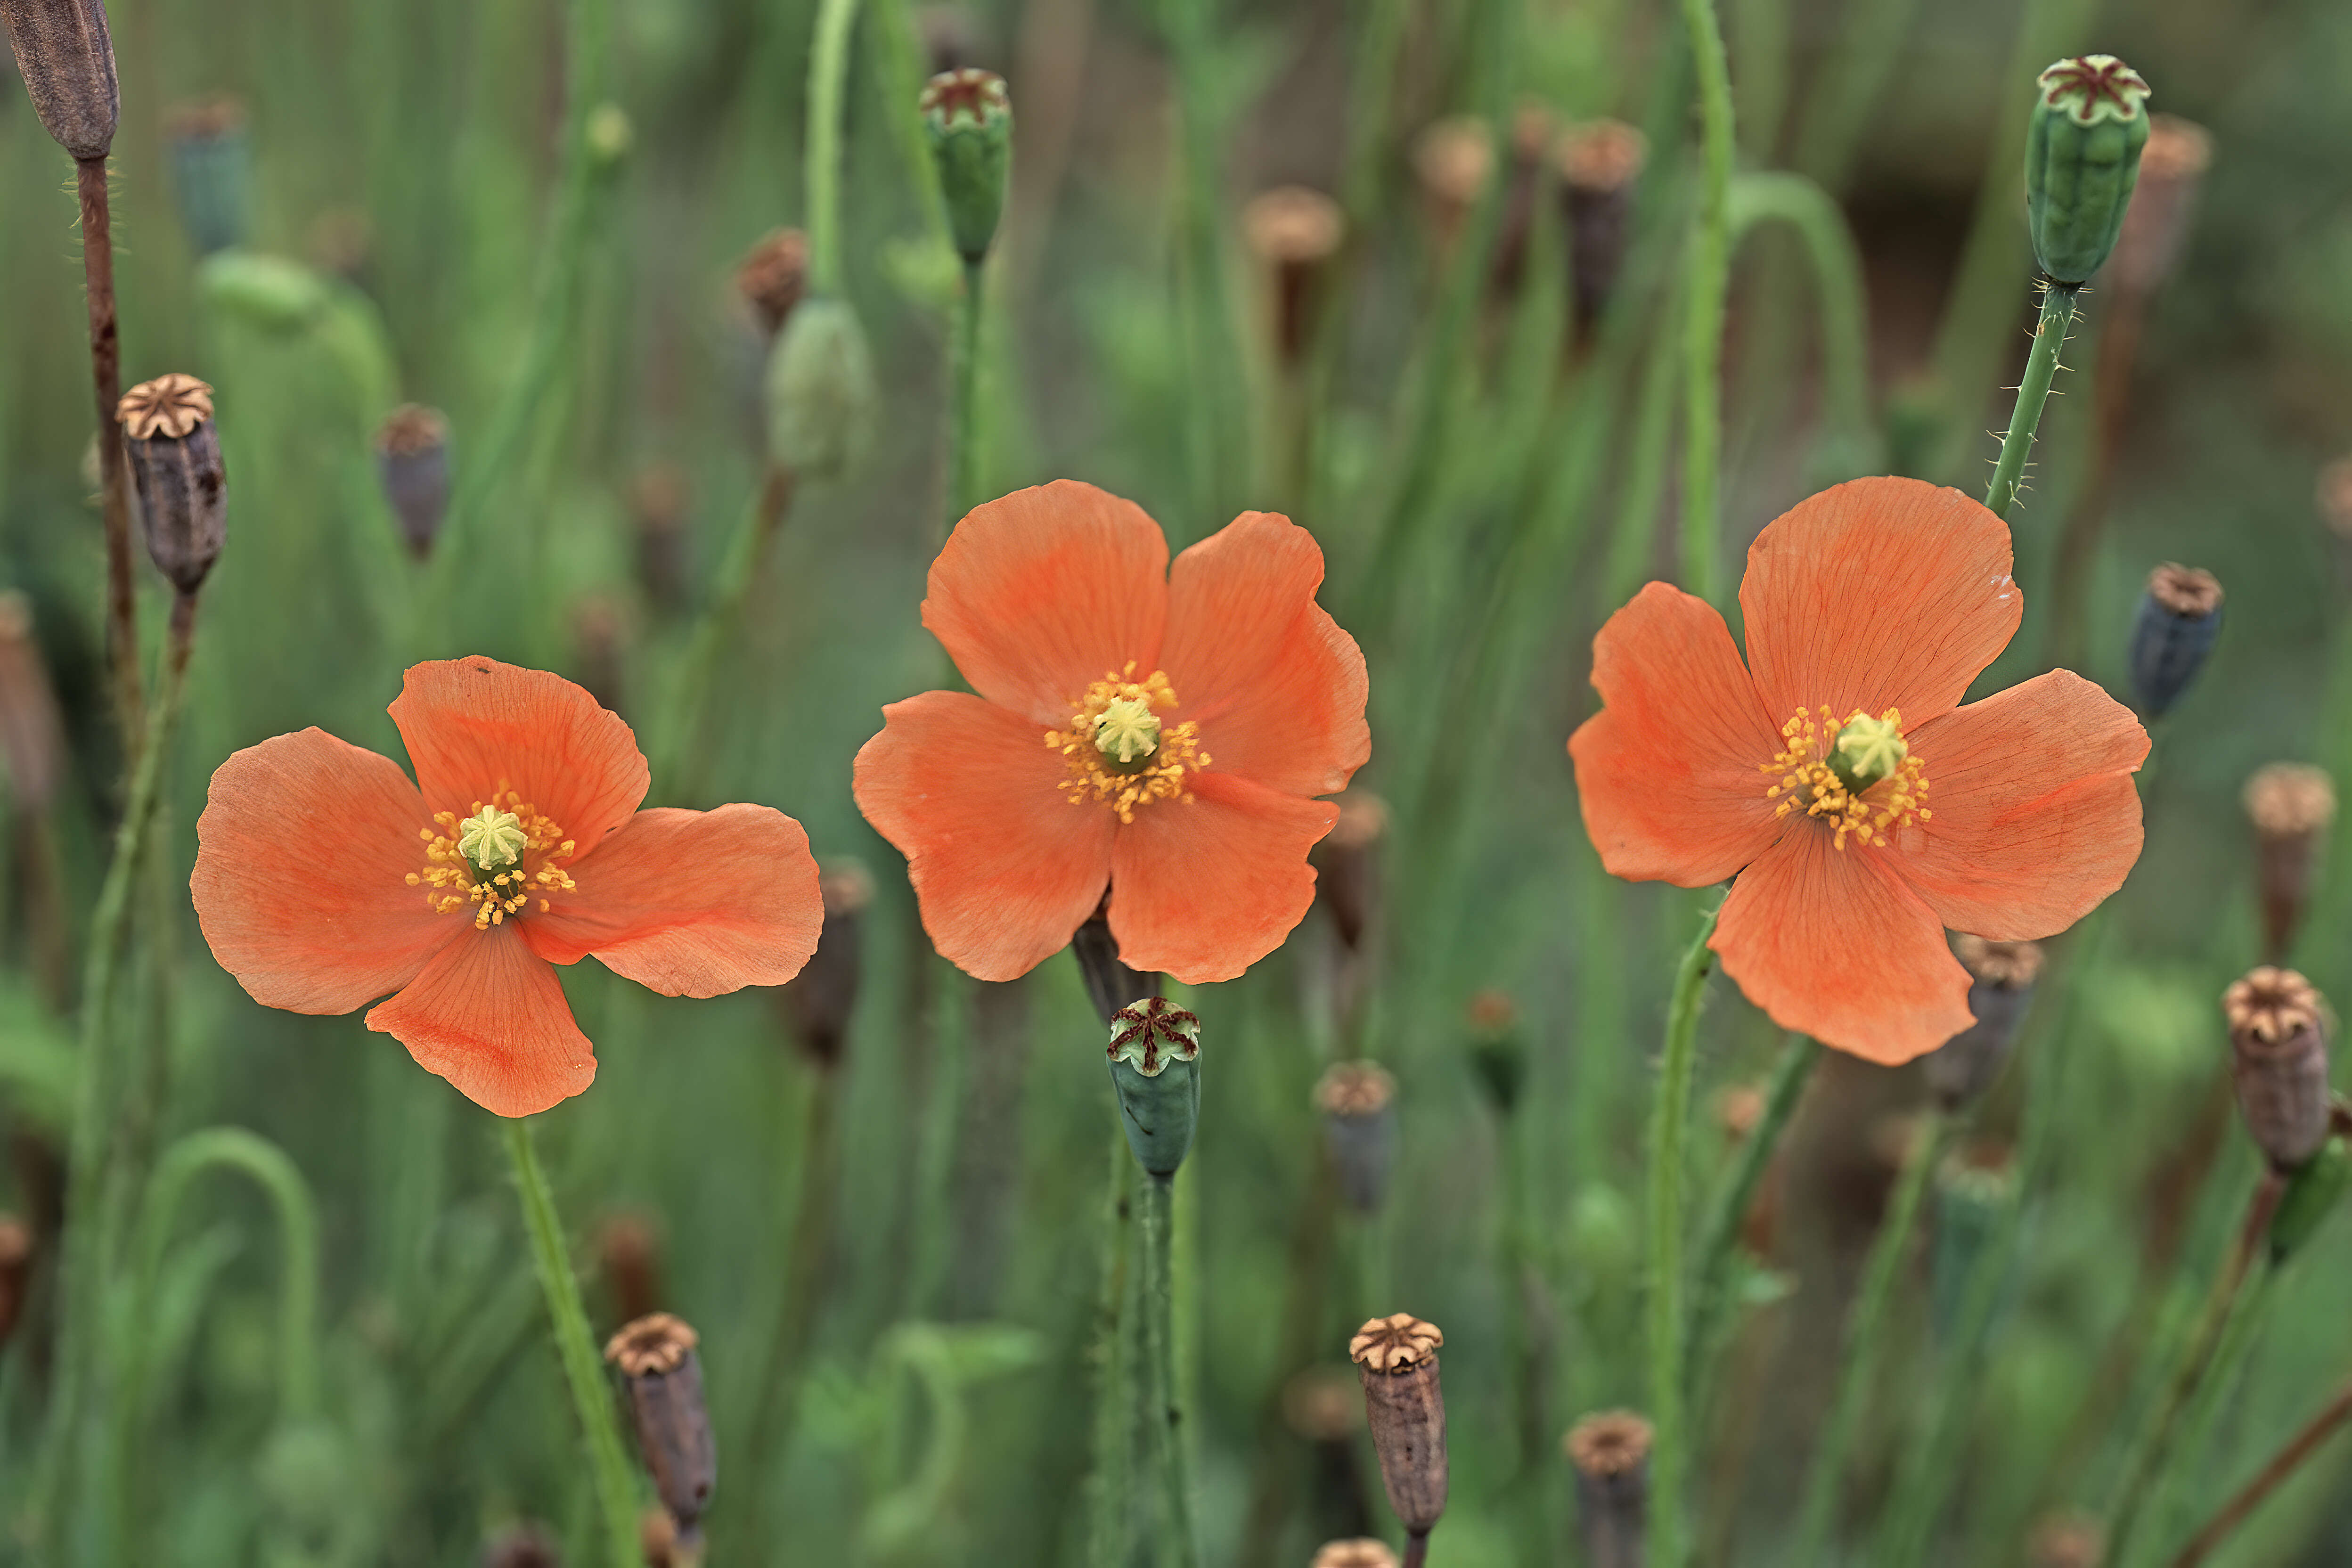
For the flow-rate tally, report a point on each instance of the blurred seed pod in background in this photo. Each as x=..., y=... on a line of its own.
x=2001, y=976
x=1366, y=1552
x=628, y=1248
x=968, y=124
x=1971, y=1196
x=772, y=276
x=2069, y=1540
x=175, y=458
x=2179, y=618
x=1498, y=1051
x=600, y=647
x=2290, y=805
x=412, y=464
x=209, y=153
x=821, y=1001
x=15, y=1272
x=2278, y=1040
x=1294, y=232
x=1600, y=165
x=823, y=403
x=2171, y=167
x=660, y=505
x=1611, y=1453
x=525, y=1545
x=1358, y=1100
x=1451, y=160
x=949, y=35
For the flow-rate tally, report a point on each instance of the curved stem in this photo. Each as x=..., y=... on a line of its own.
x=1165, y=1408
x=2041, y=368
x=1732, y=1202
x=1821, y=227
x=1669, y=1119
x=829, y=70
x=583, y=1370
x=2282, y=1466
x=685, y=761
x=1823, y=1482
x=1708, y=280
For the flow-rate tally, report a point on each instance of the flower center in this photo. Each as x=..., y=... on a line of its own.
x=497, y=860
x=1860, y=777
x=1120, y=753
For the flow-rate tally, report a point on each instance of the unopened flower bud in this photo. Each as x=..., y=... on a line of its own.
x=15, y=1270
x=175, y=457
x=655, y=1355
x=2278, y=1040
x=629, y=1248
x=212, y=172
x=2314, y=1192
x=772, y=278
x=1110, y=984
x=1611, y=1452
x=2002, y=976
x=822, y=398
x=1498, y=1053
x=1346, y=864
x=2171, y=166
x=1396, y=1359
x=32, y=729
x=1367, y=1552
x=1599, y=167
x=968, y=120
x=1294, y=232
x=2179, y=618
x=2290, y=805
x=412, y=463
x=1155, y=1067
x=523, y=1546
x=2082, y=159
x=1358, y=1100
x=1970, y=1200
x=67, y=59
x=821, y=1000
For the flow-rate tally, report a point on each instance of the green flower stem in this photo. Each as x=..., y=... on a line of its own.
x=2197, y=1427
x=1837, y=111
x=1113, y=1419
x=583, y=1370
x=1707, y=282
x=1819, y=226
x=964, y=478
x=2040, y=369
x=1669, y=1121
x=2281, y=1468
x=828, y=73
x=1732, y=1202
x=1165, y=1405
x=1817, y=1517
x=1372, y=98
x=685, y=760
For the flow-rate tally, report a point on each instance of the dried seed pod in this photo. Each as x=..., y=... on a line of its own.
x=1294, y=232
x=1155, y=1067
x=1498, y=1054
x=2082, y=158
x=2278, y=1040
x=67, y=59
x=525, y=1545
x=412, y=464
x=772, y=278
x=1396, y=1359
x=2290, y=805
x=175, y=457
x=1348, y=866
x=1358, y=1100
x=1367, y=1552
x=968, y=120
x=2171, y=166
x=1600, y=165
x=211, y=159
x=629, y=1247
x=1611, y=1452
x=32, y=729
x=2002, y=976
x=821, y=999
x=2179, y=618
x=655, y=1355
x=16, y=1270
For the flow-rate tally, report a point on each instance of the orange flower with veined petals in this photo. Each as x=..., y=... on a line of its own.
x=1863, y=810
x=325, y=879
x=1159, y=733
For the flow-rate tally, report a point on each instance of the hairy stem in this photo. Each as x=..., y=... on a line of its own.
x=2040, y=369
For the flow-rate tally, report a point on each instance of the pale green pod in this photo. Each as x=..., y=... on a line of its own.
x=2082, y=159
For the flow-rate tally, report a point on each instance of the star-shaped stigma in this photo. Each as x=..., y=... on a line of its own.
x=1139, y=1030
x=1395, y=1345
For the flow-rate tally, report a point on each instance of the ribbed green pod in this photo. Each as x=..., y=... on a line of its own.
x=967, y=119
x=2082, y=159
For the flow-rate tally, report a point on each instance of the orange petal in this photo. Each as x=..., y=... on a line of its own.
x=1004, y=867
x=1277, y=687
x=1042, y=593
x=489, y=1015
x=303, y=855
x=1830, y=942
x=1668, y=772
x=1203, y=889
x=1878, y=593
x=2036, y=817
x=473, y=725
x=690, y=904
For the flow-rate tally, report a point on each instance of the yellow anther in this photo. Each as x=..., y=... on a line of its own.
x=1865, y=789
x=1128, y=731
x=463, y=861
x=1120, y=752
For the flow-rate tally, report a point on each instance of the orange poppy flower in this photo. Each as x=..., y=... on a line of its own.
x=1862, y=808
x=325, y=879
x=1161, y=734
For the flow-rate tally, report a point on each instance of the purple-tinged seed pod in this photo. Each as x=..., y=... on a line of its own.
x=2278, y=1043
x=67, y=59
x=175, y=458
x=2179, y=618
x=1610, y=1453
x=1358, y=1100
x=412, y=461
x=1396, y=1359
x=2002, y=976
x=2290, y=805
x=655, y=1355
x=820, y=1001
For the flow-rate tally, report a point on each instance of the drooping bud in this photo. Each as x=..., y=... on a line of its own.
x=772, y=278
x=2171, y=166
x=175, y=458
x=210, y=158
x=1347, y=866
x=628, y=1245
x=2290, y=805
x=2002, y=976
x=1155, y=1069
x=821, y=397
x=661, y=505
x=1396, y=1359
x=1599, y=167
x=968, y=120
x=1358, y=1100
x=67, y=59
x=1970, y=1200
x=2278, y=1041
x=821, y=1000
x=2314, y=1192
x=1611, y=1452
x=523, y=1546
x=1110, y=984
x=15, y=1271
x=32, y=729
x=1294, y=232
x=1366, y=1552
x=1498, y=1054
x=655, y=1355
x=2179, y=618
x=2082, y=159
x=412, y=464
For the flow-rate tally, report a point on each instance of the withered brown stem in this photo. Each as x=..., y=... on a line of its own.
x=2268, y=1480
x=106, y=374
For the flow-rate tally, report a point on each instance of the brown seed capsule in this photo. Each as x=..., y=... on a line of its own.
x=772, y=276
x=655, y=1355
x=1611, y=1452
x=657, y=1539
x=1600, y=165
x=523, y=1546
x=1396, y=1359
x=821, y=1000
x=2002, y=976
x=1346, y=864
x=2278, y=1040
x=1358, y=1100
x=1367, y=1553
x=16, y=1268
x=2171, y=166
x=2290, y=805
x=66, y=60
x=175, y=457
x=1294, y=232
x=630, y=1248
x=412, y=462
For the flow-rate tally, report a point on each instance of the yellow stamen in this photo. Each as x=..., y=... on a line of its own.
x=1120, y=752
x=497, y=860
x=1860, y=777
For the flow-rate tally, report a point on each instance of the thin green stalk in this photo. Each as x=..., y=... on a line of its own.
x=1214, y=441
x=584, y=1371
x=683, y=756
x=964, y=478
x=1633, y=546
x=1114, y=1421
x=1669, y=1120
x=1164, y=1406
x=1732, y=1202
x=1707, y=282
x=1841, y=302
x=1371, y=103
x=2040, y=369
x=1817, y=1517
x=1837, y=112
x=2229, y=1355
x=828, y=73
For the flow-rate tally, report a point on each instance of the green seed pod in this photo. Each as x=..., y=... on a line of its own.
x=2311, y=1195
x=211, y=162
x=2082, y=159
x=267, y=290
x=1155, y=1066
x=822, y=400
x=67, y=59
x=968, y=120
